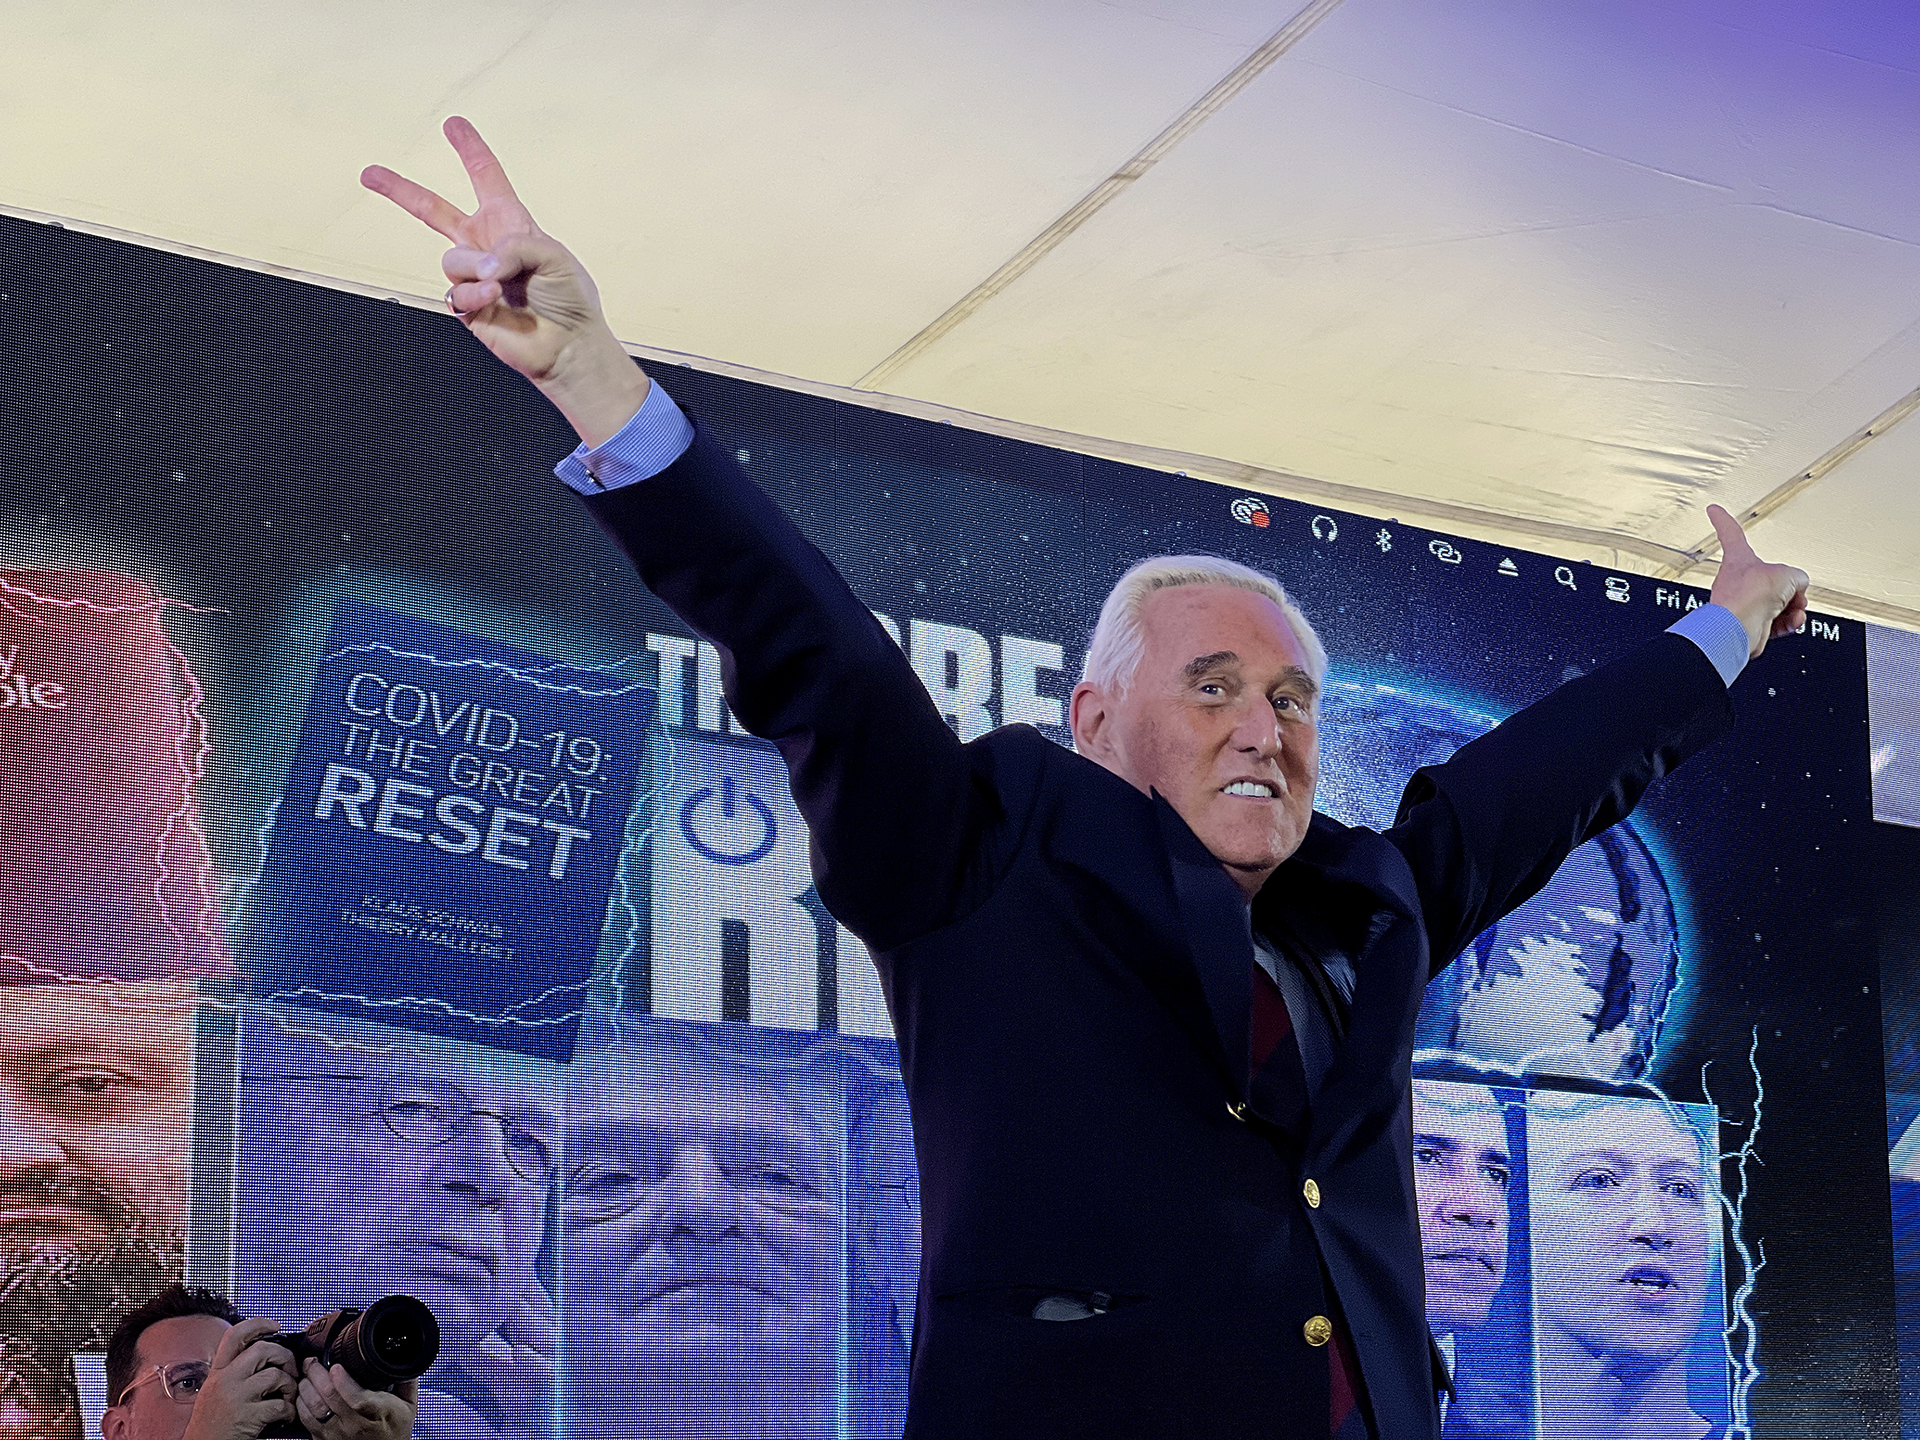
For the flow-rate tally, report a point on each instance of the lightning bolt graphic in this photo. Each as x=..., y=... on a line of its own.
x=176, y=996
x=190, y=749
x=614, y=668
x=237, y=891
x=622, y=908
x=1743, y=1330
x=191, y=746
x=94, y=607
x=528, y=676
x=509, y=1018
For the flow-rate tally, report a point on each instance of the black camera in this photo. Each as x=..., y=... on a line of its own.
x=396, y=1338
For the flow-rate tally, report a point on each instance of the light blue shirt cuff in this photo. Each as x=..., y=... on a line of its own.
x=1720, y=636
x=657, y=435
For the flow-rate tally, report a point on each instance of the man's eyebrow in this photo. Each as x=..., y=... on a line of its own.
x=1599, y=1152
x=1294, y=675
x=670, y=1128
x=1439, y=1142
x=1204, y=664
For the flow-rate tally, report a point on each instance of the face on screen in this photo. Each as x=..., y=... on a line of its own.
x=1461, y=1174
x=37, y=1402
x=1620, y=1210
x=700, y=1214
x=1219, y=719
x=370, y=1174
x=96, y=1095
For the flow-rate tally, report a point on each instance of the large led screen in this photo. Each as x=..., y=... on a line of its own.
x=391, y=903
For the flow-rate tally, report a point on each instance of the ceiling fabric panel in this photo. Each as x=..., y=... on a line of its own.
x=1341, y=278
x=796, y=188
x=1859, y=528
x=1552, y=274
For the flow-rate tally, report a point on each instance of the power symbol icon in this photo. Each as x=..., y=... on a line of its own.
x=730, y=798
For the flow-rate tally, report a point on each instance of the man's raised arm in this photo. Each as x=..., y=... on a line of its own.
x=1488, y=828
x=895, y=810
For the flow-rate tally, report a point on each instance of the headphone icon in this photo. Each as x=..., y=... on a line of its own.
x=1332, y=531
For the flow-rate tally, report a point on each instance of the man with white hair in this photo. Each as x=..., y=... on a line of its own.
x=1155, y=1016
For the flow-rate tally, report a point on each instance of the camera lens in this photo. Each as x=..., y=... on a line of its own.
x=396, y=1338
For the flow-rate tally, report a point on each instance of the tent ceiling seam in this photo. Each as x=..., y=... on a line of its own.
x=1790, y=490
x=1103, y=194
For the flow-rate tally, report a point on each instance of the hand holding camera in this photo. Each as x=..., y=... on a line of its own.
x=249, y=1384
x=355, y=1373
x=333, y=1406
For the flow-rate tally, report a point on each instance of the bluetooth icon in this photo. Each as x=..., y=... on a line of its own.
x=1384, y=539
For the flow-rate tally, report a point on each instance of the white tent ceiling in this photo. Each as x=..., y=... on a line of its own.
x=1551, y=272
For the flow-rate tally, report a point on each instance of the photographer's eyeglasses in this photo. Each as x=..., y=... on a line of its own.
x=181, y=1382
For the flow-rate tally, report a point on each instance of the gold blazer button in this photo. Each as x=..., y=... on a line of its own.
x=1318, y=1330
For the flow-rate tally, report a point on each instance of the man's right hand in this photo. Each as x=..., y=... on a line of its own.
x=1770, y=600
x=522, y=293
x=250, y=1386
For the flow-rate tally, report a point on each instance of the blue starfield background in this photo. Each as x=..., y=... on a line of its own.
x=467, y=1050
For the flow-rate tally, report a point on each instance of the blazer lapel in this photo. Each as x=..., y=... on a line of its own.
x=1359, y=894
x=1220, y=945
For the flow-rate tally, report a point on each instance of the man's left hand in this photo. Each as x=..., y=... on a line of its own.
x=1770, y=600
x=333, y=1406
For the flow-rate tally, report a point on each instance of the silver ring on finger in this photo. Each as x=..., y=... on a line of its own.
x=452, y=309
x=324, y=1416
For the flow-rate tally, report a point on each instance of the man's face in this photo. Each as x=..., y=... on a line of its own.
x=369, y=1175
x=701, y=1219
x=146, y=1412
x=1460, y=1174
x=1219, y=718
x=96, y=1097
x=1620, y=1218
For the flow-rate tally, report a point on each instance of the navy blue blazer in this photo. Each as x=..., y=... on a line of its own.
x=1069, y=970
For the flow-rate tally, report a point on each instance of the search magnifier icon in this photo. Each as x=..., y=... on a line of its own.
x=1564, y=574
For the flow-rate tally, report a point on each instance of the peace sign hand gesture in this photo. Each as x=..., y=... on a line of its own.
x=521, y=292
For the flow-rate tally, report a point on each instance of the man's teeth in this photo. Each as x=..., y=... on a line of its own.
x=1250, y=787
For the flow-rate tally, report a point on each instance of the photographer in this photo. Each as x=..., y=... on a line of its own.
x=187, y=1366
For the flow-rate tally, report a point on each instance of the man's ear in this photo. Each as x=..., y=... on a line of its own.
x=1090, y=718
x=114, y=1423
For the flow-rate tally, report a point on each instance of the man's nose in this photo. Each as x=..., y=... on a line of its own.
x=28, y=1138
x=1651, y=1226
x=1255, y=727
x=473, y=1164
x=1478, y=1205
x=695, y=1202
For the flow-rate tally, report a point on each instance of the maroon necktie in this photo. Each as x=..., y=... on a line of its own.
x=1279, y=1088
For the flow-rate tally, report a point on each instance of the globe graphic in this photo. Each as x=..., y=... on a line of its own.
x=1576, y=981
